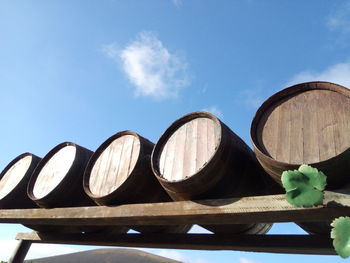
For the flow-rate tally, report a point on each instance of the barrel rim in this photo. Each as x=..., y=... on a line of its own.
x=8, y=167
x=294, y=89
x=97, y=154
x=155, y=157
x=39, y=167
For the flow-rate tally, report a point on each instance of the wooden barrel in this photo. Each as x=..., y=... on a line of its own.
x=14, y=180
x=58, y=182
x=58, y=179
x=119, y=172
x=308, y=123
x=199, y=157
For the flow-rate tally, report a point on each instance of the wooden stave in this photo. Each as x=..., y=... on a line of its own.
x=72, y=182
x=333, y=167
x=140, y=177
x=18, y=197
x=71, y=186
x=215, y=187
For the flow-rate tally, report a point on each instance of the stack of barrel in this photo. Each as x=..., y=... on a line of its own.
x=197, y=157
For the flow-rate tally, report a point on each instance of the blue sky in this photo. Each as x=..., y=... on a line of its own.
x=83, y=70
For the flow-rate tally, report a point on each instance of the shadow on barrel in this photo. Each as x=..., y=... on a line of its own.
x=119, y=172
x=58, y=182
x=198, y=157
x=14, y=180
x=305, y=124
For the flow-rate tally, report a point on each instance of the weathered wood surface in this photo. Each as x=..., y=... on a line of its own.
x=119, y=173
x=220, y=211
x=307, y=123
x=307, y=127
x=114, y=165
x=189, y=148
x=296, y=244
x=54, y=171
x=198, y=157
x=14, y=175
x=14, y=180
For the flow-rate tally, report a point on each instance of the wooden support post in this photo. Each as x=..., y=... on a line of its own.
x=20, y=251
x=296, y=244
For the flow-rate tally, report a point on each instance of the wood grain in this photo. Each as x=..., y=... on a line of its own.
x=296, y=130
x=54, y=171
x=114, y=165
x=310, y=123
x=296, y=244
x=14, y=175
x=246, y=210
x=189, y=148
x=308, y=127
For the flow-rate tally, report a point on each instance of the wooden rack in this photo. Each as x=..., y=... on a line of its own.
x=256, y=209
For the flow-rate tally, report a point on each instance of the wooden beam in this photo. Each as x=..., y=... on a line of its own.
x=296, y=244
x=255, y=209
x=20, y=251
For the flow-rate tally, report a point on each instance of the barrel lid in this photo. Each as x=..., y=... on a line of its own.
x=186, y=146
x=12, y=175
x=306, y=123
x=112, y=164
x=53, y=169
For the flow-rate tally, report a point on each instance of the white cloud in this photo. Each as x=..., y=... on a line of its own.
x=35, y=251
x=197, y=260
x=171, y=254
x=177, y=3
x=215, y=110
x=151, y=67
x=338, y=73
x=7, y=247
x=112, y=51
x=176, y=255
x=253, y=98
x=339, y=18
x=48, y=250
x=247, y=260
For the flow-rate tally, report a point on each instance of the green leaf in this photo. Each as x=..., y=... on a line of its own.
x=341, y=236
x=291, y=179
x=317, y=178
x=304, y=187
x=306, y=198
